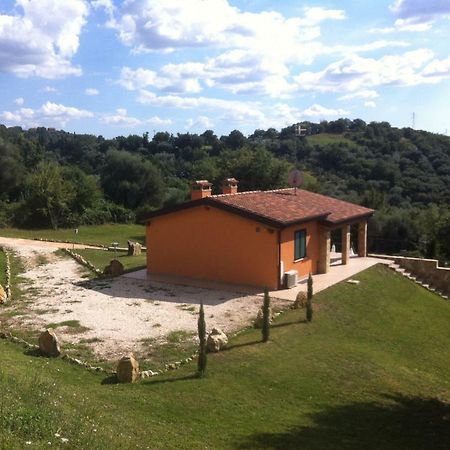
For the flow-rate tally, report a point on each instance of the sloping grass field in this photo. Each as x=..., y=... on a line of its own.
x=370, y=372
x=2, y=268
x=93, y=235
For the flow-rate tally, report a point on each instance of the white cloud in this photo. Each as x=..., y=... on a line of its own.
x=323, y=112
x=365, y=94
x=49, y=114
x=416, y=15
x=255, y=49
x=121, y=118
x=50, y=89
x=91, y=91
x=42, y=39
x=356, y=73
x=19, y=101
x=370, y=104
x=199, y=123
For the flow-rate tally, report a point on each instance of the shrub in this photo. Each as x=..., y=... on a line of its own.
x=266, y=316
x=309, y=308
x=201, y=365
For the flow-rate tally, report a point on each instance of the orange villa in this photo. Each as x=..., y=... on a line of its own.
x=251, y=238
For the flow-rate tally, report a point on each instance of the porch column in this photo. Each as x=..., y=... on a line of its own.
x=323, y=265
x=345, y=244
x=362, y=238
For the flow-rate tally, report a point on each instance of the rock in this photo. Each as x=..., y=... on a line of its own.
x=134, y=248
x=301, y=300
x=128, y=369
x=48, y=344
x=3, y=296
x=216, y=341
x=259, y=318
x=114, y=269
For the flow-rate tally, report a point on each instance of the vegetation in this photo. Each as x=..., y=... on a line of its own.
x=202, y=357
x=376, y=377
x=309, y=308
x=266, y=316
x=89, y=234
x=58, y=179
x=101, y=258
x=2, y=269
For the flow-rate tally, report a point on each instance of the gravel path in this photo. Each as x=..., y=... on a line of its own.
x=116, y=313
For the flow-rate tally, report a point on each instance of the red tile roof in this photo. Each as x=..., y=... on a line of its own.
x=286, y=206
x=279, y=207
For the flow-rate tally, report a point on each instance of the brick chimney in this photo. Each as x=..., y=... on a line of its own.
x=230, y=186
x=200, y=189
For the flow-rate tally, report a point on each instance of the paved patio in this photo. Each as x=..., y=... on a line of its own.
x=337, y=273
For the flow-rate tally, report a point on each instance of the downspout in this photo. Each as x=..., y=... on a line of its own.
x=279, y=260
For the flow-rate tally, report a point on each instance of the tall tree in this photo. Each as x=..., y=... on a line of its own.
x=49, y=193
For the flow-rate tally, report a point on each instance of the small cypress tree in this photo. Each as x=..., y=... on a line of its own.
x=309, y=308
x=201, y=364
x=266, y=316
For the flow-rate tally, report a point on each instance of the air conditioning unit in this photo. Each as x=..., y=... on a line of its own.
x=290, y=279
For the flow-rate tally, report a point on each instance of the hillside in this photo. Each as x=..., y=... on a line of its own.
x=54, y=178
x=370, y=371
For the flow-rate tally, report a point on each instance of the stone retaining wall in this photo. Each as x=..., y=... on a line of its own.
x=427, y=270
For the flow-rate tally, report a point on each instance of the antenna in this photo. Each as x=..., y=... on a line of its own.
x=299, y=131
x=295, y=179
x=414, y=120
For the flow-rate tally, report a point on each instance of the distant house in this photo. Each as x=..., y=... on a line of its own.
x=251, y=238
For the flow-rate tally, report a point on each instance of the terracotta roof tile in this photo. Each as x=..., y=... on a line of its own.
x=286, y=206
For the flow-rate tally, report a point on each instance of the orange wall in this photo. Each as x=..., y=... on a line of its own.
x=208, y=243
x=308, y=264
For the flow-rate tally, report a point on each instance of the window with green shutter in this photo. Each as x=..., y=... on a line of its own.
x=300, y=244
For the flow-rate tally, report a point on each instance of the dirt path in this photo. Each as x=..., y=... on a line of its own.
x=116, y=315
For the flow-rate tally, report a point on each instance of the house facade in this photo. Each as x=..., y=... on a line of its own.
x=251, y=238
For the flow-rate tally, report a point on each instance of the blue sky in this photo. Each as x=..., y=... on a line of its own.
x=125, y=67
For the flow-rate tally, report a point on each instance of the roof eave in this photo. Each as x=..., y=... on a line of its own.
x=351, y=219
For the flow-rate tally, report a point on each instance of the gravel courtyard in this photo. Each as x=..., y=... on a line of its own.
x=116, y=315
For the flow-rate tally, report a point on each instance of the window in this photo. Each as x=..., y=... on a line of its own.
x=299, y=244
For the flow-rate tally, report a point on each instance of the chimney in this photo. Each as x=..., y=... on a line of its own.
x=200, y=189
x=230, y=186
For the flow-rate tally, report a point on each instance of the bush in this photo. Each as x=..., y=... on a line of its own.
x=309, y=308
x=201, y=325
x=266, y=316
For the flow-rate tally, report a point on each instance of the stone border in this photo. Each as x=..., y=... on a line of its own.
x=7, y=275
x=59, y=241
x=80, y=260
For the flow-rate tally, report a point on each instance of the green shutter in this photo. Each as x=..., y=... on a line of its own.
x=300, y=244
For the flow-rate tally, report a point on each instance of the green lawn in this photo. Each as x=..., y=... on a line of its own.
x=98, y=234
x=101, y=258
x=370, y=372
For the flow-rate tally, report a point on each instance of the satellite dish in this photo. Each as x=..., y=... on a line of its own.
x=295, y=178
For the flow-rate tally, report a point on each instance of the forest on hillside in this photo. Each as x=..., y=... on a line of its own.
x=60, y=179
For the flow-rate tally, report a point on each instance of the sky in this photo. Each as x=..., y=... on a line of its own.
x=110, y=67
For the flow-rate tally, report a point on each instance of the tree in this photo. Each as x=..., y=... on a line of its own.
x=266, y=316
x=309, y=309
x=131, y=180
x=201, y=326
x=49, y=193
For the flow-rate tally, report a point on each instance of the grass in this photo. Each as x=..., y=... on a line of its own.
x=2, y=269
x=370, y=371
x=94, y=235
x=102, y=258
